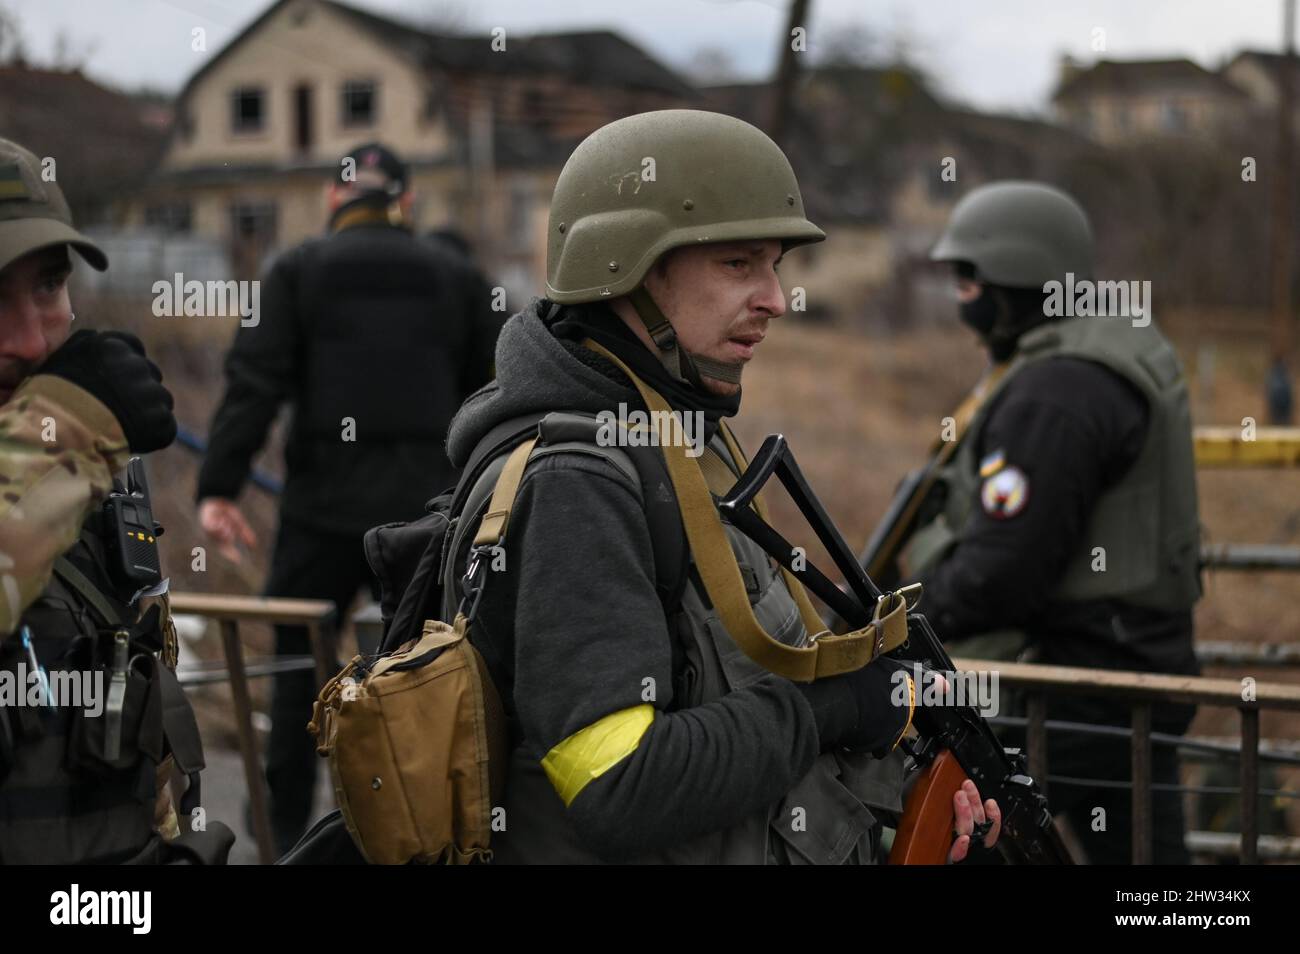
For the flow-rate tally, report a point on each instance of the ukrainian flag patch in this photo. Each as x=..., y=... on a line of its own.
x=993, y=463
x=11, y=183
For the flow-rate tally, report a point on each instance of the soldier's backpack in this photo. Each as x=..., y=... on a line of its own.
x=415, y=734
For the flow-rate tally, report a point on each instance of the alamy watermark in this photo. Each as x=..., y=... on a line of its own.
x=212, y=299
x=77, y=907
x=1085, y=298
x=637, y=428
x=965, y=688
x=36, y=688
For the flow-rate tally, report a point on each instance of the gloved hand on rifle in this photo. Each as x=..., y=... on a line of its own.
x=870, y=710
x=867, y=710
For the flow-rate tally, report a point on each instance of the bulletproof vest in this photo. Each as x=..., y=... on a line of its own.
x=825, y=819
x=65, y=796
x=1146, y=523
x=384, y=330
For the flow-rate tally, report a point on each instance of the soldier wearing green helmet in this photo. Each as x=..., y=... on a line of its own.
x=1063, y=528
x=642, y=727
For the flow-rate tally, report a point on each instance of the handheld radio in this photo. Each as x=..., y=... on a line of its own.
x=131, y=532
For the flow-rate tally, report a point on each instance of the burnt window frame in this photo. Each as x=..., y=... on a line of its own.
x=346, y=119
x=239, y=125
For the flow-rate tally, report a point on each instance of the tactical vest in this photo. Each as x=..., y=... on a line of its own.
x=64, y=797
x=836, y=826
x=1146, y=522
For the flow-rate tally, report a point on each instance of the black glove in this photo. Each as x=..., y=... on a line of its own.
x=866, y=710
x=112, y=366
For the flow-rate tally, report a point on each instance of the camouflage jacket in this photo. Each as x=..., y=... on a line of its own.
x=59, y=449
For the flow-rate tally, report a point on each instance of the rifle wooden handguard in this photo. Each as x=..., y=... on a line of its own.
x=925, y=832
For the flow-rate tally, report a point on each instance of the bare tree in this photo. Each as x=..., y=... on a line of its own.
x=68, y=54
x=13, y=49
x=448, y=18
x=711, y=66
x=850, y=44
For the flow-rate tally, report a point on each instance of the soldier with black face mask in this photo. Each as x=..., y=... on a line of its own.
x=1064, y=529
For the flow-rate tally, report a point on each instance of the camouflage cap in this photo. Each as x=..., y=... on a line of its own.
x=33, y=212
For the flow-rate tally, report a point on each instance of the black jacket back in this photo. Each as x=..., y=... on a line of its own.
x=375, y=337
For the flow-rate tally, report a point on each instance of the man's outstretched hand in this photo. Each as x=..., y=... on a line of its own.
x=224, y=522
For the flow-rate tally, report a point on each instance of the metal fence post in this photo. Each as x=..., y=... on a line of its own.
x=1143, y=850
x=1249, y=786
x=253, y=774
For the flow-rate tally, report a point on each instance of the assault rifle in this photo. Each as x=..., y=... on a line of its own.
x=955, y=742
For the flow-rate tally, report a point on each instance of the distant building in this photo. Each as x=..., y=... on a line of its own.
x=1259, y=73
x=103, y=143
x=881, y=162
x=1117, y=102
x=260, y=127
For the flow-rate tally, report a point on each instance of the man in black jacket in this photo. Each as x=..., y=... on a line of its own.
x=375, y=337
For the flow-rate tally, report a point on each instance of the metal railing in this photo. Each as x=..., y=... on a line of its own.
x=1142, y=691
x=229, y=611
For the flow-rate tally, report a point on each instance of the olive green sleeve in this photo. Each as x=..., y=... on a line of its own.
x=59, y=449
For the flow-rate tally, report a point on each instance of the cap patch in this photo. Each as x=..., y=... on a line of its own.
x=12, y=185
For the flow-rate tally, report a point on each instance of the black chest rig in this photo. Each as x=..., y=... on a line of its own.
x=89, y=708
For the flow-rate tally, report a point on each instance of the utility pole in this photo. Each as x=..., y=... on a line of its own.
x=1283, y=231
x=786, y=71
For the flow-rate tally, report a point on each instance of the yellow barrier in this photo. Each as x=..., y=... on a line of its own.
x=1227, y=447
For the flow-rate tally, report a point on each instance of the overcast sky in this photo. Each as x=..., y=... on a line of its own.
x=994, y=54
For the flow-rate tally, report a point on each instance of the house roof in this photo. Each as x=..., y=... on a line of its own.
x=1131, y=77
x=1013, y=147
x=601, y=56
x=1270, y=61
x=587, y=56
x=101, y=139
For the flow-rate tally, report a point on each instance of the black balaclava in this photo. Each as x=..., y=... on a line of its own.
x=1000, y=315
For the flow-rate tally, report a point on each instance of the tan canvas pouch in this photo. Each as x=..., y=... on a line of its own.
x=416, y=746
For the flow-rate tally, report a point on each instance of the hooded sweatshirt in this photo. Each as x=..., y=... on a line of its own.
x=574, y=631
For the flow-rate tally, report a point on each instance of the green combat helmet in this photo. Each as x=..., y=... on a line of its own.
x=643, y=185
x=1018, y=235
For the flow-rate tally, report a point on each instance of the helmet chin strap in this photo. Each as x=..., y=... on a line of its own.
x=680, y=363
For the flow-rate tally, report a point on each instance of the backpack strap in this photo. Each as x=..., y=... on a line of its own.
x=559, y=432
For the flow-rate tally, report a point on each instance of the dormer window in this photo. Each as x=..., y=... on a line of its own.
x=359, y=103
x=248, y=109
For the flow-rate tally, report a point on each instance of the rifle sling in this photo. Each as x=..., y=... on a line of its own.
x=827, y=653
x=942, y=453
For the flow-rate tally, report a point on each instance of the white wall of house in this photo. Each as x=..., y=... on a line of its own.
x=309, y=46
